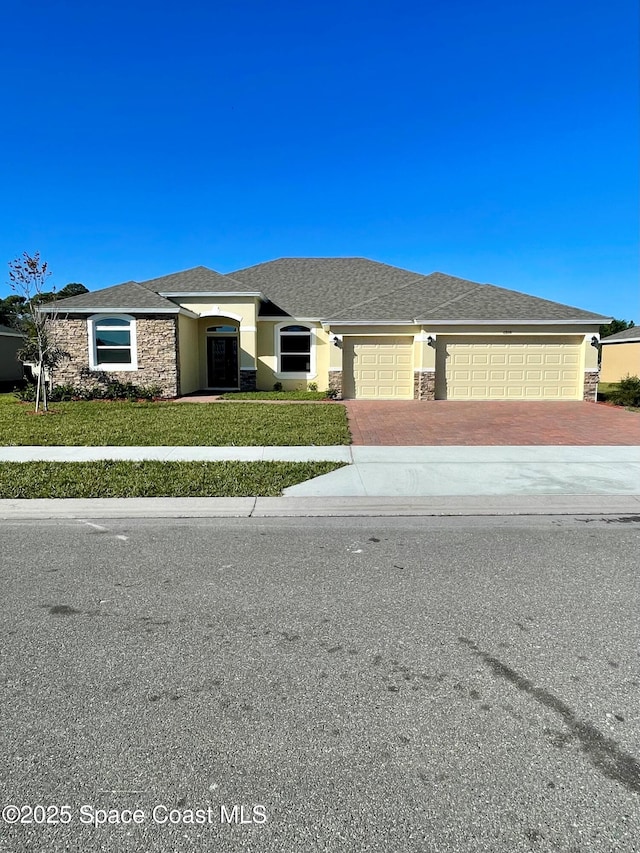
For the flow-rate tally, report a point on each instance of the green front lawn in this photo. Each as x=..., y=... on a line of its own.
x=181, y=424
x=109, y=479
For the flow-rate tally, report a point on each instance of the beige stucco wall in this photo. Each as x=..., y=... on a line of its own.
x=188, y=355
x=620, y=360
x=267, y=356
x=242, y=311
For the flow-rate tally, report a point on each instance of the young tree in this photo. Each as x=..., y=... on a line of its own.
x=27, y=277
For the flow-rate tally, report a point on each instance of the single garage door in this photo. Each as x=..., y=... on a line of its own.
x=382, y=368
x=517, y=369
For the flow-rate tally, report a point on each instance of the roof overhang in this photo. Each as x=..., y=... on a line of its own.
x=604, y=341
x=219, y=294
x=586, y=321
x=120, y=310
x=327, y=323
x=596, y=321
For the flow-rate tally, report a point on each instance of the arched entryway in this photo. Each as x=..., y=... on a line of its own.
x=222, y=356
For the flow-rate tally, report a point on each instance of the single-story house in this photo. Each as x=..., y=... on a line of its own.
x=10, y=342
x=359, y=328
x=620, y=355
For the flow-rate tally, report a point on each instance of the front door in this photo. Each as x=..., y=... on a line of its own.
x=222, y=362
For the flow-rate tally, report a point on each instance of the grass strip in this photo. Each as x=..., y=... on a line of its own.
x=165, y=424
x=150, y=479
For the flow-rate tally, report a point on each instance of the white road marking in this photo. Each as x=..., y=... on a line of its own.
x=96, y=526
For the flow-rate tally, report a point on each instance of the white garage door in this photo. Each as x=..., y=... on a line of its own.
x=382, y=368
x=518, y=369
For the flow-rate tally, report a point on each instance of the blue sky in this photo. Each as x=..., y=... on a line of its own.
x=495, y=141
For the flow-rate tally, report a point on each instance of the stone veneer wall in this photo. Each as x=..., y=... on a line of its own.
x=424, y=385
x=157, y=355
x=590, y=385
x=248, y=380
x=335, y=383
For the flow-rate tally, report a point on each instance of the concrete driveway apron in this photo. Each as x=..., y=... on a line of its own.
x=413, y=448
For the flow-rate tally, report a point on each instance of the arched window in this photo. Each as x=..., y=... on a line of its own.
x=112, y=343
x=222, y=330
x=295, y=350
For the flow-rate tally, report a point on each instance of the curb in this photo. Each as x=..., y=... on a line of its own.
x=332, y=507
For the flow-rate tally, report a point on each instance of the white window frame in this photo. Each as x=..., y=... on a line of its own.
x=278, y=331
x=98, y=320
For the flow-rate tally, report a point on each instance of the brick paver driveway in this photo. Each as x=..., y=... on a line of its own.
x=407, y=422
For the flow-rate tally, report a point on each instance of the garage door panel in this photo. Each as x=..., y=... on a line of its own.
x=382, y=368
x=526, y=369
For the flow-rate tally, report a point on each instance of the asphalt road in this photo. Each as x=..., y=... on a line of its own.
x=368, y=684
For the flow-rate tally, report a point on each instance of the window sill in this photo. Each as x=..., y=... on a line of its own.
x=113, y=368
x=280, y=375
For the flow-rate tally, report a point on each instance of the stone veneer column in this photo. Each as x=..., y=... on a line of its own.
x=424, y=385
x=590, y=387
x=335, y=383
x=248, y=379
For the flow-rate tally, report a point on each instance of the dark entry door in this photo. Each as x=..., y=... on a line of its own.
x=222, y=362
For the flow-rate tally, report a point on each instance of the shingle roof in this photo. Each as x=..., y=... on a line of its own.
x=489, y=302
x=349, y=289
x=357, y=289
x=196, y=280
x=632, y=334
x=129, y=296
x=335, y=287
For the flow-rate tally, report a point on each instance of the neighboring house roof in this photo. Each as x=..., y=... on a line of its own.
x=337, y=289
x=628, y=335
x=7, y=330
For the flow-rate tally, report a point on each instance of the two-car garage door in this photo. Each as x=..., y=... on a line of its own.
x=467, y=367
x=517, y=369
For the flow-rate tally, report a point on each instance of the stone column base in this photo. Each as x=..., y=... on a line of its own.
x=424, y=385
x=248, y=380
x=590, y=387
x=335, y=384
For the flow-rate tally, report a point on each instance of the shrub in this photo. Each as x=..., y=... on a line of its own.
x=26, y=392
x=277, y=386
x=627, y=393
x=112, y=390
x=60, y=393
x=312, y=386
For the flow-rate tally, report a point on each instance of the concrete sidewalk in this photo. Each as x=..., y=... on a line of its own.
x=474, y=471
x=397, y=472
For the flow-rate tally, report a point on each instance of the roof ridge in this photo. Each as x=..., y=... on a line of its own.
x=408, y=283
